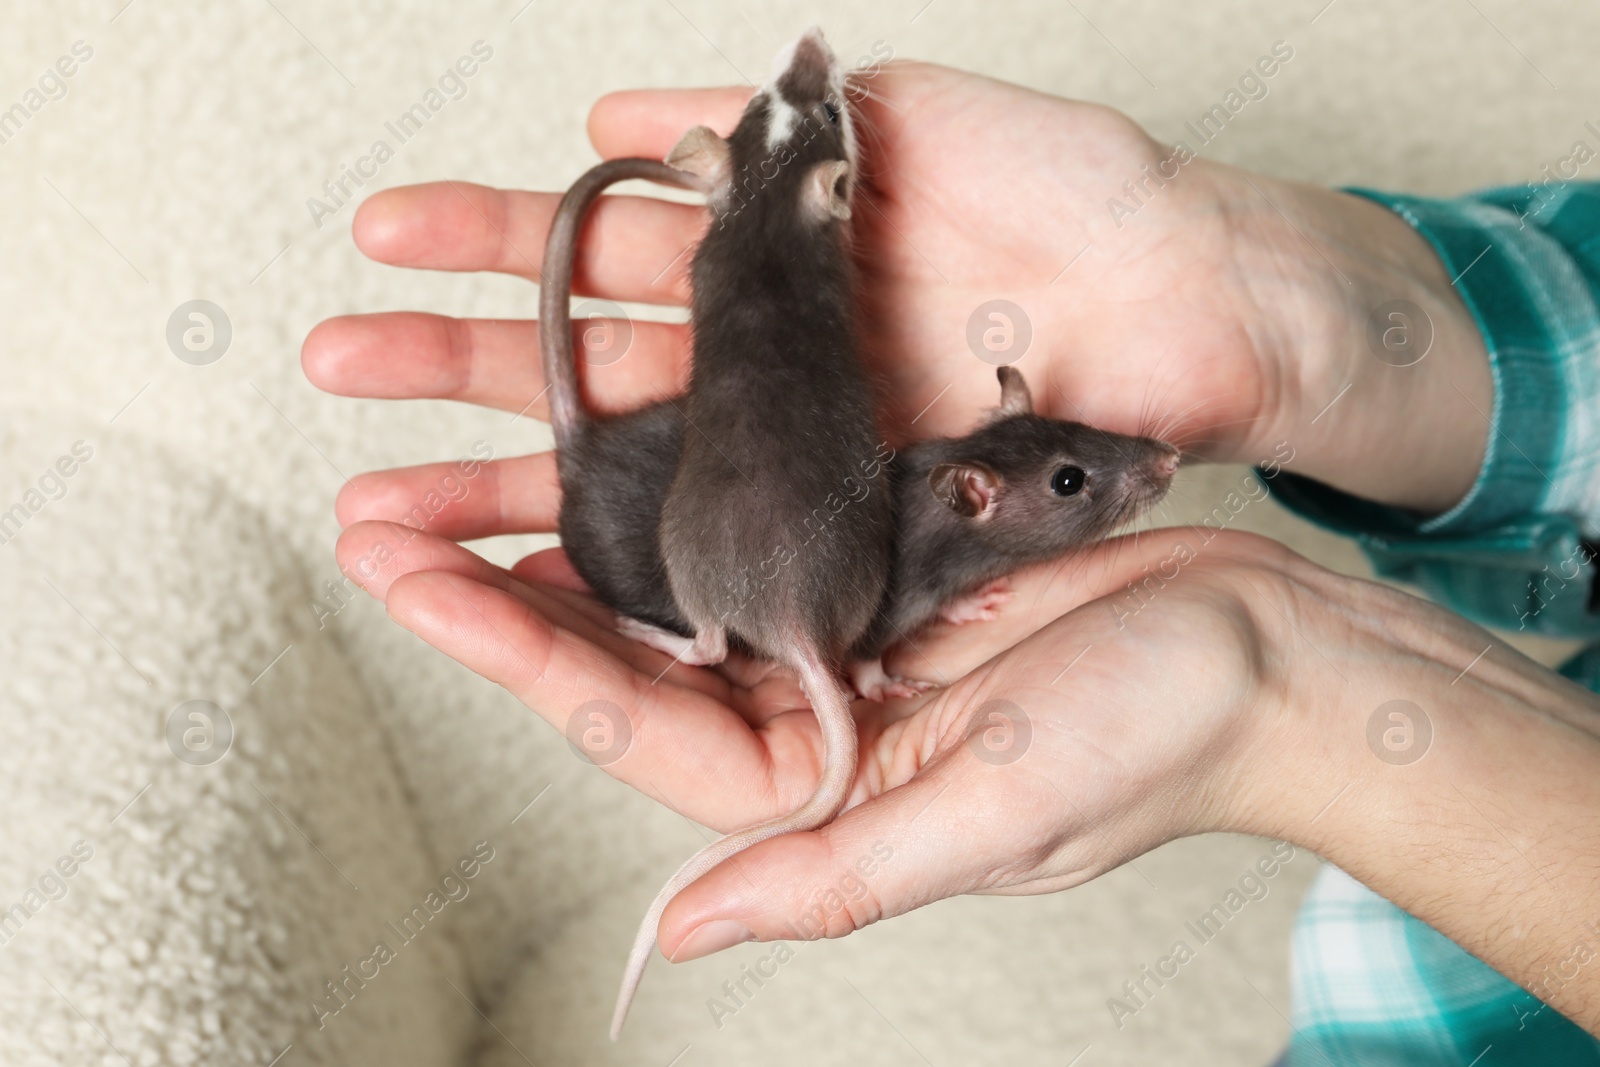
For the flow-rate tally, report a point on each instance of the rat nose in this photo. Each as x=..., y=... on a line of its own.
x=1166, y=464
x=812, y=49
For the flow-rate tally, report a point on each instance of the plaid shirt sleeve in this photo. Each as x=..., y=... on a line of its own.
x=1519, y=550
x=1372, y=985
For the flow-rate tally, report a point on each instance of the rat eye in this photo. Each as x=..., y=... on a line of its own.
x=1067, y=481
x=831, y=111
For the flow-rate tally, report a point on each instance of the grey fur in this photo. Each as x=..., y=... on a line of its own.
x=940, y=553
x=761, y=506
x=781, y=426
x=614, y=470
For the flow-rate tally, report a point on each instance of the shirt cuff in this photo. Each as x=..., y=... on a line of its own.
x=1527, y=268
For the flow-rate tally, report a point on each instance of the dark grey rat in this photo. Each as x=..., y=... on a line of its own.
x=779, y=410
x=615, y=472
x=1021, y=489
x=776, y=527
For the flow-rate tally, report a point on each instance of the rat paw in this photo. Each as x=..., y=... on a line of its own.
x=904, y=688
x=705, y=650
x=646, y=633
x=983, y=605
x=869, y=679
x=872, y=682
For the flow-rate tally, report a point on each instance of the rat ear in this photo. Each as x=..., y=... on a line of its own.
x=827, y=190
x=1015, y=399
x=701, y=152
x=966, y=488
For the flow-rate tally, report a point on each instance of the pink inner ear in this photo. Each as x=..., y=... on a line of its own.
x=979, y=491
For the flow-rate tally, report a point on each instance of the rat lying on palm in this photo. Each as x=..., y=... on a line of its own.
x=762, y=508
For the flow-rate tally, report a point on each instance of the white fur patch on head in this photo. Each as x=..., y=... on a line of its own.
x=782, y=117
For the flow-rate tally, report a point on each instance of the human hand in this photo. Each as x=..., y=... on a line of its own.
x=1234, y=310
x=1225, y=315
x=1224, y=683
x=1237, y=690
x=1085, y=780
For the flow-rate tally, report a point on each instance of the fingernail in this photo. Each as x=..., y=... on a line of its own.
x=710, y=937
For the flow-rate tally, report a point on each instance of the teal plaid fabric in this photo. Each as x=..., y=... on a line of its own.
x=1512, y=553
x=1374, y=986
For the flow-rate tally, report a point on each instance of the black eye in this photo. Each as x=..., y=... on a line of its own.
x=831, y=111
x=1067, y=481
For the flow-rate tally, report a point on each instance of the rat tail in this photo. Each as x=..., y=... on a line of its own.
x=555, y=286
x=832, y=706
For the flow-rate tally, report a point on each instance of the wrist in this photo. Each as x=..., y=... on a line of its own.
x=1446, y=772
x=1385, y=389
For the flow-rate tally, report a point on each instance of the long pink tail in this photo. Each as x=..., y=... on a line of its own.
x=832, y=706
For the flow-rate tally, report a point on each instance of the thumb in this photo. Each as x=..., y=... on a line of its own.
x=1116, y=572
x=898, y=851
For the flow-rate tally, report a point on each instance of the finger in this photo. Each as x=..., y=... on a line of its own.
x=912, y=845
x=374, y=554
x=1125, y=571
x=462, y=500
x=683, y=747
x=648, y=122
x=772, y=690
x=550, y=566
x=493, y=362
x=633, y=248
x=763, y=689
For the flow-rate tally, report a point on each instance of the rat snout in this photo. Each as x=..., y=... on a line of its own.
x=812, y=49
x=808, y=59
x=806, y=92
x=1153, y=475
x=807, y=72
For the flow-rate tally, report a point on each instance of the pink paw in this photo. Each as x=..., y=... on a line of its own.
x=707, y=650
x=872, y=682
x=983, y=605
x=674, y=645
x=905, y=687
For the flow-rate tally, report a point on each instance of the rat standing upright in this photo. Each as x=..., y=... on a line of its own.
x=776, y=527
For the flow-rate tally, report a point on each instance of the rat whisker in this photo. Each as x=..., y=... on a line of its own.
x=1172, y=418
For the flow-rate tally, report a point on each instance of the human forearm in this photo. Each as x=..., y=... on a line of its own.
x=1492, y=833
x=1387, y=390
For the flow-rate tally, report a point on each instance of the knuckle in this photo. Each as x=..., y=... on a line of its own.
x=846, y=902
